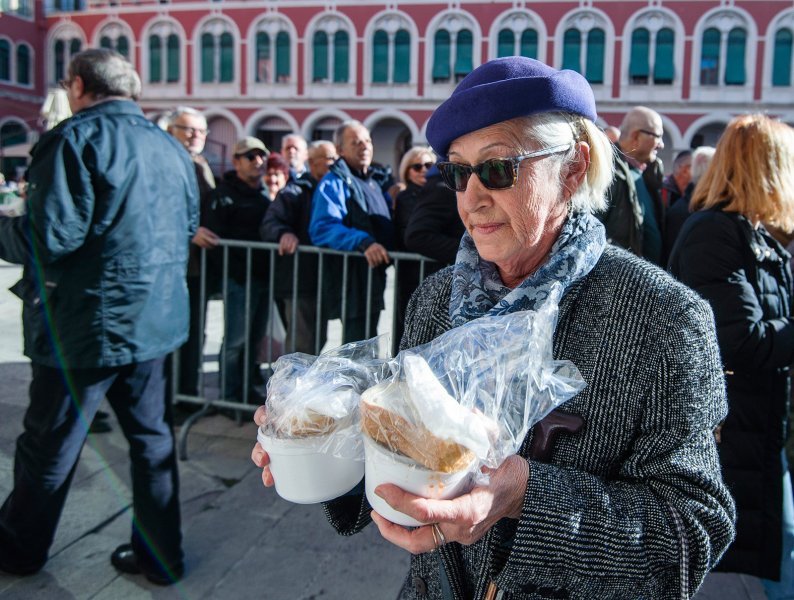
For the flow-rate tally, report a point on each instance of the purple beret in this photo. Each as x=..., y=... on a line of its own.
x=503, y=89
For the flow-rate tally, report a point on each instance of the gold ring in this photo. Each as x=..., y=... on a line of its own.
x=435, y=539
x=437, y=532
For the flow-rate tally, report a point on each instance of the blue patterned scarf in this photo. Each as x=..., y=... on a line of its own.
x=478, y=290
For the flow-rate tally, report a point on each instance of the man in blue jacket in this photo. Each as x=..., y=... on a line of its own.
x=350, y=211
x=111, y=207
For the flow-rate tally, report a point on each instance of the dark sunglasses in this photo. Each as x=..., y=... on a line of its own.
x=251, y=156
x=495, y=174
x=419, y=166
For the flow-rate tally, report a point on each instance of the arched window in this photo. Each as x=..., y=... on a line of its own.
x=320, y=48
x=781, y=62
x=341, y=57
x=123, y=46
x=380, y=57
x=60, y=59
x=263, y=66
x=639, y=65
x=5, y=60
x=74, y=46
x=155, y=59
x=505, y=43
x=441, y=56
x=227, y=58
x=23, y=64
x=207, y=58
x=663, y=68
x=12, y=133
x=172, y=58
x=464, y=54
x=282, y=57
x=734, y=61
x=402, y=56
x=64, y=48
x=529, y=43
x=106, y=42
x=571, y=50
x=595, y=56
x=710, y=57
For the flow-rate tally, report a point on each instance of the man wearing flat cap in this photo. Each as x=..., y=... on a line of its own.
x=236, y=208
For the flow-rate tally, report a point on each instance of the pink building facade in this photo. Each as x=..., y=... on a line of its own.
x=269, y=68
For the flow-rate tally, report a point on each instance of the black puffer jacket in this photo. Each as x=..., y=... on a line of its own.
x=744, y=274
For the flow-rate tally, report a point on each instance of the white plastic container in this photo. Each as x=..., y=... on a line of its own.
x=305, y=475
x=383, y=466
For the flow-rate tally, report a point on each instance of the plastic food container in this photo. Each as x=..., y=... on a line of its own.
x=383, y=466
x=305, y=475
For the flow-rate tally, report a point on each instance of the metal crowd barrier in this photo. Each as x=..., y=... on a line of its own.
x=211, y=397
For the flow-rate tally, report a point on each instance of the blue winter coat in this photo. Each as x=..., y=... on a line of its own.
x=111, y=208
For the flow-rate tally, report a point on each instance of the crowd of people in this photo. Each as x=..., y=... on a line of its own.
x=675, y=307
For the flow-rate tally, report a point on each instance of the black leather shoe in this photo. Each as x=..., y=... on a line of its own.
x=126, y=561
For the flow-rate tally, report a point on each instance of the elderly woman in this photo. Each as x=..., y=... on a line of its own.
x=617, y=494
x=726, y=254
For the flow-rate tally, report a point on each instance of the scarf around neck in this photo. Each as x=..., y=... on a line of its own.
x=477, y=288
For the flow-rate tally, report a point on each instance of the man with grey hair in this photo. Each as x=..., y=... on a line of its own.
x=700, y=159
x=633, y=219
x=295, y=150
x=351, y=212
x=111, y=208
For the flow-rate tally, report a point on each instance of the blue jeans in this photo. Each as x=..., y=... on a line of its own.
x=784, y=589
x=235, y=338
x=62, y=405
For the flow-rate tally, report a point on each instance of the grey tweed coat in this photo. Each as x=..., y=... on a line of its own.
x=633, y=505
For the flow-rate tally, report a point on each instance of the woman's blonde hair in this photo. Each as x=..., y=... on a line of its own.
x=752, y=172
x=411, y=157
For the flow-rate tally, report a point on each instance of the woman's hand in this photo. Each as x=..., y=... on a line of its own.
x=466, y=518
x=258, y=454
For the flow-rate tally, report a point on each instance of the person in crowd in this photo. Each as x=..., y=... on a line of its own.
x=633, y=217
x=189, y=127
x=612, y=133
x=679, y=211
x=235, y=209
x=287, y=223
x=725, y=253
x=627, y=500
x=675, y=184
x=104, y=302
x=295, y=150
x=434, y=228
x=413, y=171
x=350, y=211
x=276, y=174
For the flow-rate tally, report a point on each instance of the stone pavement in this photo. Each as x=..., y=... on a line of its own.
x=241, y=540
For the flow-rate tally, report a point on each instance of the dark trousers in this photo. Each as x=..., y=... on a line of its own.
x=62, y=405
x=191, y=353
x=355, y=328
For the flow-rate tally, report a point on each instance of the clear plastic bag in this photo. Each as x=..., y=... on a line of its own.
x=315, y=398
x=469, y=397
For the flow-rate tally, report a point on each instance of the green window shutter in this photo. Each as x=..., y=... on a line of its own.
x=639, y=67
x=380, y=57
x=734, y=61
x=341, y=57
x=106, y=42
x=781, y=65
x=59, y=51
x=320, y=48
x=262, y=56
x=464, y=63
x=12, y=133
x=529, y=43
x=74, y=46
x=505, y=45
x=5, y=60
x=207, y=58
x=595, y=56
x=402, y=57
x=282, y=57
x=123, y=47
x=710, y=57
x=227, y=58
x=663, y=68
x=23, y=64
x=441, y=56
x=155, y=59
x=571, y=50
x=172, y=58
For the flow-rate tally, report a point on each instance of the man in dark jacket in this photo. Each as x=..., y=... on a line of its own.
x=287, y=223
x=351, y=212
x=235, y=210
x=111, y=208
